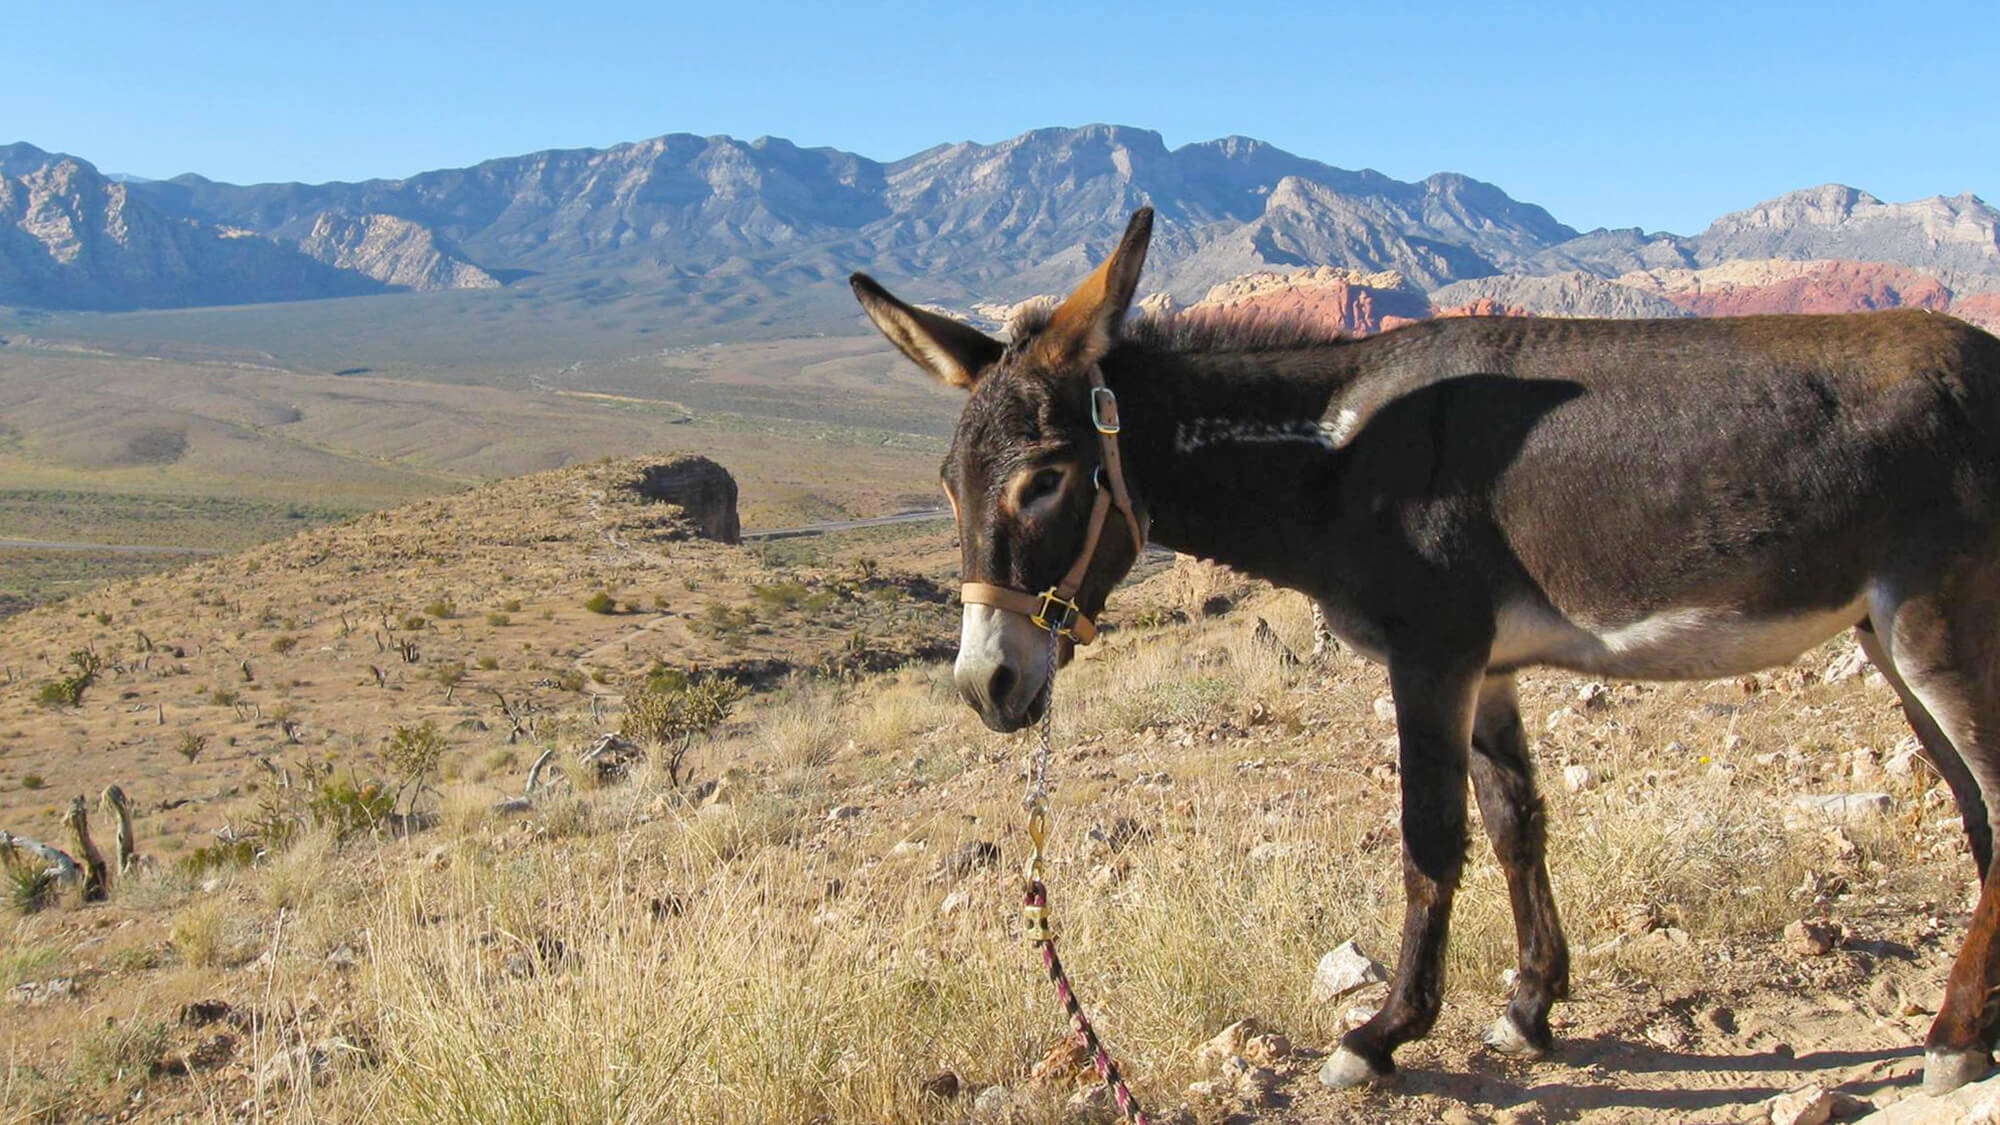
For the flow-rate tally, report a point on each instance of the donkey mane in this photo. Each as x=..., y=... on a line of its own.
x=1209, y=329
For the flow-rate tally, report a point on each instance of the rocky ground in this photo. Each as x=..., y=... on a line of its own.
x=1761, y=882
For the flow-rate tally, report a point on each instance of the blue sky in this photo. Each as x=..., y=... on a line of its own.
x=1662, y=115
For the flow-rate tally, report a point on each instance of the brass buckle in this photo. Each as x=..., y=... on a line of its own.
x=1060, y=626
x=1099, y=398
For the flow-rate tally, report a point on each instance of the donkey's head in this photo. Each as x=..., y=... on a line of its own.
x=1026, y=466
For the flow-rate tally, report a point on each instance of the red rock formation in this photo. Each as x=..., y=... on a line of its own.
x=1346, y=301
x=1744, y=288
x=1982, y=309
x=1484, y=306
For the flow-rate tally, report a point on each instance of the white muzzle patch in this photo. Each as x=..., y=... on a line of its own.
x=991, y=641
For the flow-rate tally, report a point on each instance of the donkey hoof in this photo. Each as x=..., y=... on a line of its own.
x=1346, y=1070
x=1506, y=1037
x=1946, y=1070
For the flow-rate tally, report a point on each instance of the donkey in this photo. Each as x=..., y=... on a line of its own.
x=1684, y=499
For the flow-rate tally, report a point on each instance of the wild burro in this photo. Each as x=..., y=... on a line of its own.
x=1680, y=499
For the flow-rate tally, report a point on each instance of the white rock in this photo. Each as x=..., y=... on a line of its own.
x=844, y=812
x=1813, y=1105
x=954, y=902
x=1578, y=778
x=1344, y=969
x=1847, y=666
x=1843, y=808
x=1385, y=709
x=1270, y=850
x=1593, y=695
x=1562, y=717
x=992, y=1101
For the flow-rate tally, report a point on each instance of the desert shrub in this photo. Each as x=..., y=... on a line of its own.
x=190, y=745
x=413, y=756
x=223, y=697
x=68, y=691
x=219, y=856
x=488, y=663
x=498, y=620
x=33, y=781
x=601, y=602
x=721, y=622
x=284, y=643
x=197, y=933
x=345, y=806
x=31, y=887
x=511, y=605
x=570, y=679
x=414, y=623
x=441, y=610
x=117, y=1052
x=672, y=717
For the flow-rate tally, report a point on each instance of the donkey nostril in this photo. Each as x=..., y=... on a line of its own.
x=1001, y=683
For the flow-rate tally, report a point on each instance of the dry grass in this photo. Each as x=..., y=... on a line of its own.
x=795, y=950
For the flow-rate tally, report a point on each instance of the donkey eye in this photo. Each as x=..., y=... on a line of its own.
x=1043, y=483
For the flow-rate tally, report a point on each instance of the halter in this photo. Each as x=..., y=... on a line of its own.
x=1055, y=609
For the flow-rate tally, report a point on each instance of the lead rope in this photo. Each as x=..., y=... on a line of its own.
x=1035, y=914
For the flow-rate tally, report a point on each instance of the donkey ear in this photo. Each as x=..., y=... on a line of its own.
x=1085, y=325
x=951, y=351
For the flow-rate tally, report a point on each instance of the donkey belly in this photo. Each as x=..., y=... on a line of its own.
x=1693, y=643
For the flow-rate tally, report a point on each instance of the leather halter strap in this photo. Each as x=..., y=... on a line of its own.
x=1055, y=608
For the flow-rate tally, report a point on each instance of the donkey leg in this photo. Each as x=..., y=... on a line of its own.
x=1517, y=823
x=1434, y=709
x=1944, y=648
x=1942, y=754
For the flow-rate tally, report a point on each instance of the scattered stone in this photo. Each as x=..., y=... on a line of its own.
x=1593, y=696
x=1224, y=1044
x=1240, y=1081
x=844, y=812
x=971, y=856
x=1344, y=969
x=1812, y=938
x=1385, y=709
x=343, y=957
x=992, y=1101
x=1267, y=1049
x=1563, y=717
x=44, y=991
x=1578, y=778
x=1813, y=1105
x=1122, y=831
x=954, y=902
x=1847, y=666
x=944, y=1085
x=1062, y=1062
x=1091, y=1105
x=1843, y=808
x=1270, y=850
x=1977, y=1103
x=201, y=1013
x=210, y=1053
x=1904, y=762
x=1637, y=918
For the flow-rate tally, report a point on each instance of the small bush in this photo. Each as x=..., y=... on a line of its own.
x=674, y=717
x=218, y=856
x=31, y=887
x=190, y=745
x=488, y=663
x=511, y=605
x=119, y=1052
x=284, y=643
x=197, y=934
x=601, y=602
x=223, y=697
x=33, y=781
x=499, y=620
x=414, y=623
x=441, y=610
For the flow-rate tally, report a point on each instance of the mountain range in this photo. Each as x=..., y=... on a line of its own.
x=706, y=217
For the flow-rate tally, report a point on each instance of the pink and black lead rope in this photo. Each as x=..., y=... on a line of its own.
x=1038, y=897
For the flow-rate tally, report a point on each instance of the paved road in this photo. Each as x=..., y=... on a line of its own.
x=917, y=516
x=102, y=548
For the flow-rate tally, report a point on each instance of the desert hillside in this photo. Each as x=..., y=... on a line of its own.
x=812, y=915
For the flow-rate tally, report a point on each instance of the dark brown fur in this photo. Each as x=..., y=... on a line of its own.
x=1658, y=499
